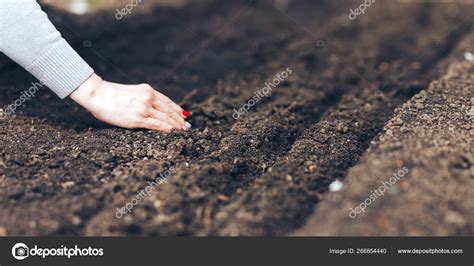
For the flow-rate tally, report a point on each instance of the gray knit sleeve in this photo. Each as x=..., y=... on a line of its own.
x=30, y=39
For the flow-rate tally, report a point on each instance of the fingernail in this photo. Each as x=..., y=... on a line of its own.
x=186, y=126
x=185, y=114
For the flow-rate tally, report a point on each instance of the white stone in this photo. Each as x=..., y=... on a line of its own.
x=335, y=186
x=469, y=56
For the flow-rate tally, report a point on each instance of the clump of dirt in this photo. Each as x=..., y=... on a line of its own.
x=63, y=173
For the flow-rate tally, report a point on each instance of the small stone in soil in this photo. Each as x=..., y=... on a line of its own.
x=469, y=56
x=335, y=186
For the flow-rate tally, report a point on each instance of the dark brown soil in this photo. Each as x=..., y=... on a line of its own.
x=63, y=173
x=431, y=135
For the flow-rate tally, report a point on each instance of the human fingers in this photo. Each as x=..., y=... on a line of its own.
x=156, y=124
x=167, y=109
x=165, y=118
x=168, y=102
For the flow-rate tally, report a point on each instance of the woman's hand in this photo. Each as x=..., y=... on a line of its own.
x=130, y=106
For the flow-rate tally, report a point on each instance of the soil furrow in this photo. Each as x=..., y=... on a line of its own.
x=436, y=177
x=280, y=199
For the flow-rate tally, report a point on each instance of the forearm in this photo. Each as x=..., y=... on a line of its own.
x=30, y=39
